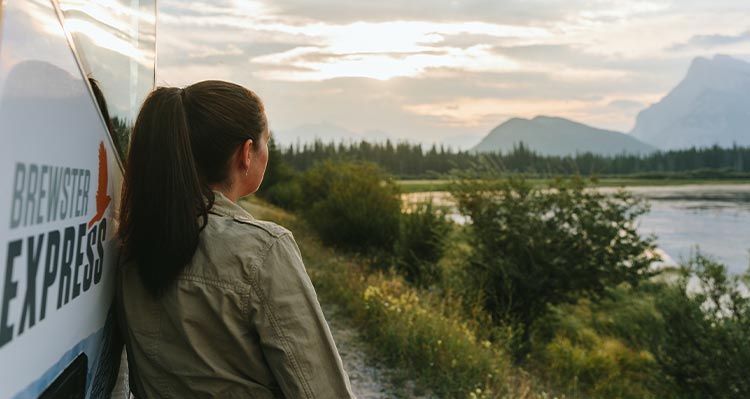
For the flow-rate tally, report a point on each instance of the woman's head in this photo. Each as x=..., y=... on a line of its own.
x=221, y=118
x=185, y=142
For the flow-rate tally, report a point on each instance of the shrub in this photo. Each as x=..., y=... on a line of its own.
x=287, y=194
x=352, y=205
x=598, y=349
x=535, y=247
x=704, y=347
x=421, y=244
x=600, y=367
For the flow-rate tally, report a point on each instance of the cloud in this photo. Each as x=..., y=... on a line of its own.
x=525, y=12
x=389, y=49
x=314, y=50
x=507, y=11
x=472, y=111
x=526, y=84
x=426, y=70
x=379, y=65
x=626, y=104
x=711, y=41
x=468, y=111
x=553, y=53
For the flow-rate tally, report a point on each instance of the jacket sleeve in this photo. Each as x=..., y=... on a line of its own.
x=294, y=335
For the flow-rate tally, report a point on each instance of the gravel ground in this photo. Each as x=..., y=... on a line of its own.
x=369, y=379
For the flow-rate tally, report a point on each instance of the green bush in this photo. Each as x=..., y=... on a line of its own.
x=684, y=337
x=421, y=244
x=352, y=206
x=287, y=194
x=534, y=247
x=704, y=347
x=599, y=366
x=597, y=348
x=626, y=313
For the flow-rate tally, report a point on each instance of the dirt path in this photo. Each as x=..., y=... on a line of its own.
x=369, y=379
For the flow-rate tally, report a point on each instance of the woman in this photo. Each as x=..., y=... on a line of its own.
x=215, y=302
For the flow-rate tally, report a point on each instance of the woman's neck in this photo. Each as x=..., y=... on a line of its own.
x=228, y=192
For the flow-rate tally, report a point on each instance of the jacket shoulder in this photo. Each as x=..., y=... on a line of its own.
x=272, y=229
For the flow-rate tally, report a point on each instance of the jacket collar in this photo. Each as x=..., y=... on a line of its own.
x=223, y=206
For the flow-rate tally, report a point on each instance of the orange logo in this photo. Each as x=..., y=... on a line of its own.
x=102, y=199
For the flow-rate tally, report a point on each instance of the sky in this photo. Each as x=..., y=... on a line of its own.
x=448, y=72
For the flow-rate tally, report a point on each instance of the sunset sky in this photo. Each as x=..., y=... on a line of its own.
x=447, y=71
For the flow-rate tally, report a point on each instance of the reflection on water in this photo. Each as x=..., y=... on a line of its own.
x=714, y=217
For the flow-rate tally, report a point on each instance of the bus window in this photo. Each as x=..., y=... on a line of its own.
x=71, y=383
x=115, y=42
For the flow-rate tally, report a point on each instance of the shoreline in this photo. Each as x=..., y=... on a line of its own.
x=420, y=186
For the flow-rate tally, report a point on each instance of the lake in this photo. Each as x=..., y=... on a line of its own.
x=714, y=217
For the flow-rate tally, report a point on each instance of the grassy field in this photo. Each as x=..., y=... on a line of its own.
x=420, y=186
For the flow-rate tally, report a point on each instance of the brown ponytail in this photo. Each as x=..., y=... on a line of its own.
x=183, y=140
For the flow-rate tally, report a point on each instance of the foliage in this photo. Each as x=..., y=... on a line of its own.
x=429, y=337
x=599, y=348
x=286, y=194
x=421, y=244
x=600, y=367
x=535, y=247
x=685, y=336
x=352, y=205
x=432, y=337
x=704, y=347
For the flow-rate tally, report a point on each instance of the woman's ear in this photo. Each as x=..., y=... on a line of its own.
x=245, y=153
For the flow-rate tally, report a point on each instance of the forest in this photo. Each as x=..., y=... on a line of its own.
x=406, y=160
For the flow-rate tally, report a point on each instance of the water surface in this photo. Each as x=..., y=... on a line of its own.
x=716, y=218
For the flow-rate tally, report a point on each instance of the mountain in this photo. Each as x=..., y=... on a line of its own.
x=557, y=136
x=711, y=105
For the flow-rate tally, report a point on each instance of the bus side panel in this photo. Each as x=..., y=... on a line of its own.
x=59, y=181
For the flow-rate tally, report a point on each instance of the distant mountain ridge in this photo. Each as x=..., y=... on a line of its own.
x=326, y=133
x=711, y=105
x=558, y=136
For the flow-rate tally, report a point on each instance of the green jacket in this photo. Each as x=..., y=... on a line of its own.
x=242, y=321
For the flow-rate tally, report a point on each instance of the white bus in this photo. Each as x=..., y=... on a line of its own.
x=72, y=76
